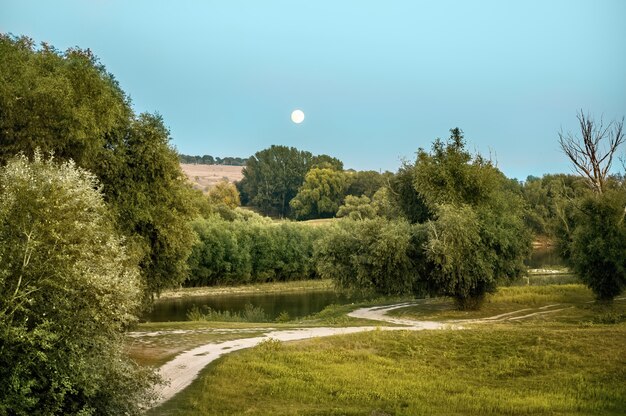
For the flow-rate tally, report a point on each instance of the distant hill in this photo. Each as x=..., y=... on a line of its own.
x=210, y=160
x=204, y=176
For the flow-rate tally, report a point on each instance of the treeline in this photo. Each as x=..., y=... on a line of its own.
x=449, y=224
x=96, y=218
x=290, y=183
x=250, y=248
x=210, y=160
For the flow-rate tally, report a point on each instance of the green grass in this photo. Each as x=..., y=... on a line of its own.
x=506, y=299
x=503, y=369
x=569, y=363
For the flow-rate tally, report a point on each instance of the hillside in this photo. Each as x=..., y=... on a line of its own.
x=204, y=176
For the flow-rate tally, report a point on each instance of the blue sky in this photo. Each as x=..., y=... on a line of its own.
x=376, y=80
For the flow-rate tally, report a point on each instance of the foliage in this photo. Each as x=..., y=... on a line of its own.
x=67, y=104
x=272, y=177
x=357, y=208
x=548, y=202
x=366, y=182
x=210, y=160
x=460, y=259
x=478, y=236
x=68, y=289
x=148, y=192
x=598, y=247
x=370, y=254
x=404, y=195
x=225, y=193
x=253, y=250
x=250, y=313
x=320, y=195
x=64, y=103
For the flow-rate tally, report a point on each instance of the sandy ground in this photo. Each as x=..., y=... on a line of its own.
x=204, y=176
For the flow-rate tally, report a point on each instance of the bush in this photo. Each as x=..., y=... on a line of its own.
x=68, y=290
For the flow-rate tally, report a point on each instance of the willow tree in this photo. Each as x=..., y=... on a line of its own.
x=68, y=289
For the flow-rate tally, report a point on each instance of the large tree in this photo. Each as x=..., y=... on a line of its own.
x=598, y=247
x=68, y=104
x=320, y=195
x=595, y=241
x=476, y=212
x=68, y=289
x=272, y=177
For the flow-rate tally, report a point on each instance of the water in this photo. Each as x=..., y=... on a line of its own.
x=545, y=258
x=296, y=304
x=299, y=304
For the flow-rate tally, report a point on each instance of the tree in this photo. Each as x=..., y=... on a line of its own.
x=598, y=247
x=357, y=208
x=371, y=254
x=460, y=260
x=68, y=289
x=477, y=213
x=272, y=176
x=225, y=193
x=66, y=103
x=366, y=182
x=409, y=202
x=320, y=195
x=592, y=153
x=153, y=202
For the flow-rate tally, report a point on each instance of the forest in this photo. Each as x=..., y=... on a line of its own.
x=97, y=220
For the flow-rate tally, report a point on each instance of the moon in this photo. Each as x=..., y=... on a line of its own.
x=297, y=116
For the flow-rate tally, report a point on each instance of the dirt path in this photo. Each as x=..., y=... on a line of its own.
x=184, y=368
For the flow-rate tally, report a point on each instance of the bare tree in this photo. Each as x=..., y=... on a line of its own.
x=592, y=154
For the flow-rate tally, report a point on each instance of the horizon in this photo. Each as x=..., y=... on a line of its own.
x=375, y=82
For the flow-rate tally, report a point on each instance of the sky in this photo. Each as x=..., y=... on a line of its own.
x=376, y=79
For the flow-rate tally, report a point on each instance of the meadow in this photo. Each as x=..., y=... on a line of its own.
x=571, y=362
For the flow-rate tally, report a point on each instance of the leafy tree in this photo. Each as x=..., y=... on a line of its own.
x=460, y=259
x=250, y=249
x=357, y=208
x=67, y=104
x=225, y=193
x=320, y=195
x=272, y=176
x=366, y=182
x=64, y=103
x=385, y=204
x=368, y=255
x=409, y=202
x=598, y=247
x=476, y=205
x=326, y=162
x=68, y=289
x=153, y=202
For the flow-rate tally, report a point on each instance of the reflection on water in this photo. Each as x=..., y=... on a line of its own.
x=299, y=304
x=296, y=304
x=545, y=258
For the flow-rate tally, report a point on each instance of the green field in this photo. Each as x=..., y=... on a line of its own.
x=571, y=362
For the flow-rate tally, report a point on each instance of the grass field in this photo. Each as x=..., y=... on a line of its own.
x=569, y=363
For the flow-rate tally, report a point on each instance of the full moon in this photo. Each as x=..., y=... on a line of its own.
x=297, y=116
